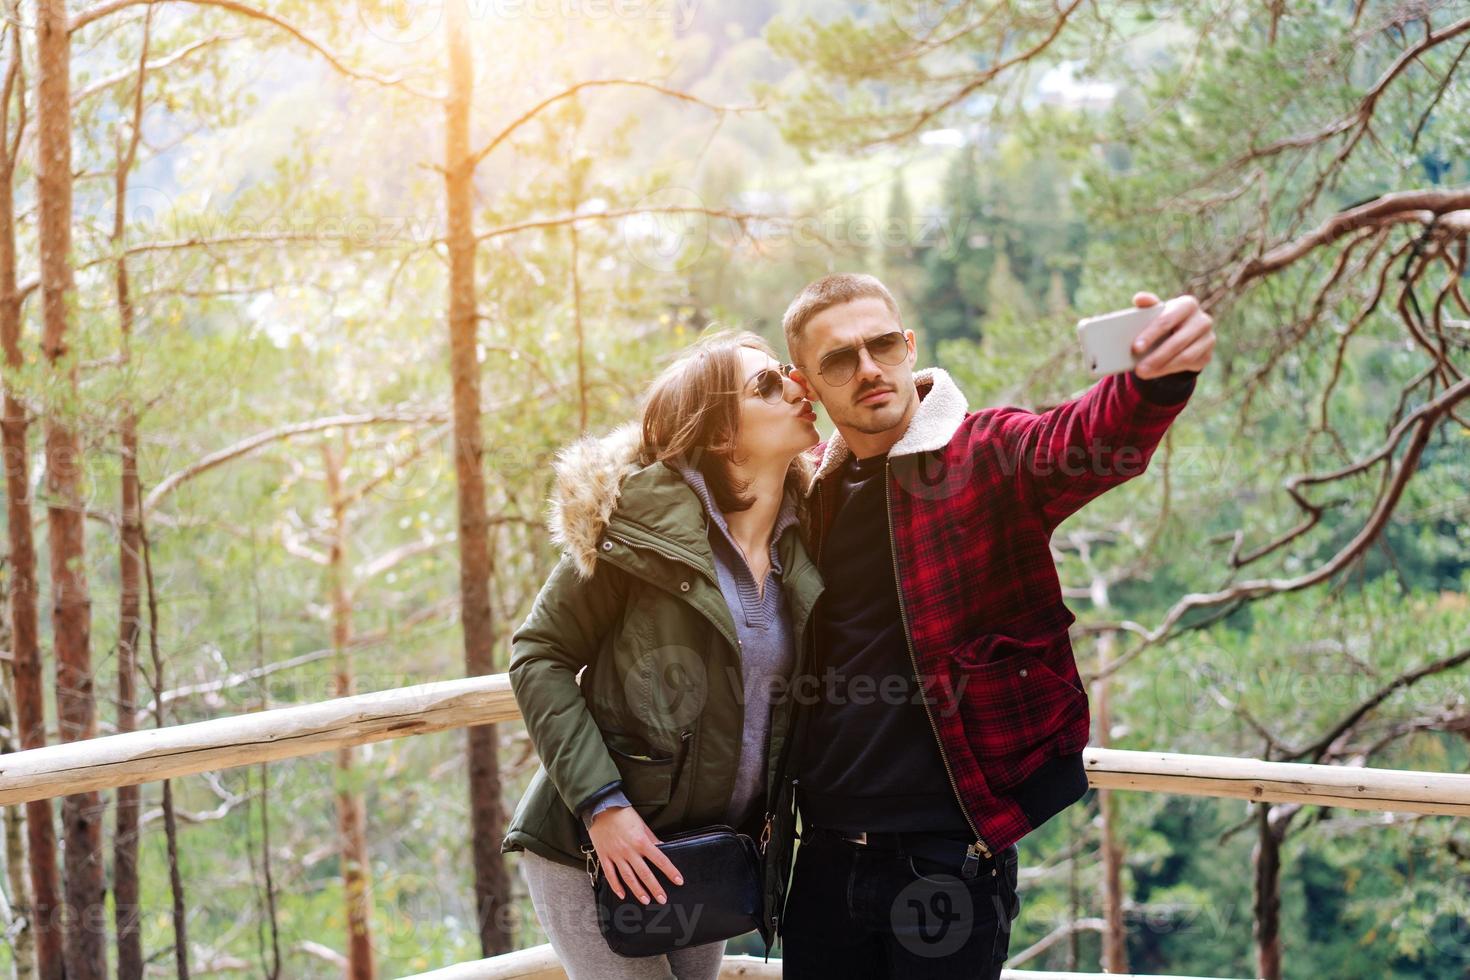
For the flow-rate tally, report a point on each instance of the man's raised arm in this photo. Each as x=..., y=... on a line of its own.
x=1078, y=450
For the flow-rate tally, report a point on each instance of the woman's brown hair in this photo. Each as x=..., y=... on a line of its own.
x=692, y=410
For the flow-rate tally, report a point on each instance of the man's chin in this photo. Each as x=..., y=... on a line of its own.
x=874, y=422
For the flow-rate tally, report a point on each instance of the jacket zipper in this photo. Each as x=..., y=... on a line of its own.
x=684, y=738
x=975, y=851
x=685, y=559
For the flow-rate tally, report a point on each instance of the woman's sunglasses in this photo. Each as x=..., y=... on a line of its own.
x=770, y=384
x=838, y=367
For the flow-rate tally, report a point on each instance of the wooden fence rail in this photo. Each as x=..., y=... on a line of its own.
x=285, y=733
x=540, y=963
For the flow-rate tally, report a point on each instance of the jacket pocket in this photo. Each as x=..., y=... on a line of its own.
x=1018, y=705
x=647, y=771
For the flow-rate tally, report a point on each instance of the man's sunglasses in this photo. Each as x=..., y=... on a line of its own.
x=838, y=367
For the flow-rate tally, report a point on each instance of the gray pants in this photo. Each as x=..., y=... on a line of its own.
x=563, y=901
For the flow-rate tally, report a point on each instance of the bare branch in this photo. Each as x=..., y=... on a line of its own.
x=245, y=447
x=1417, y=206
x=978, y=81
x=368, y=486
x=538, y=108
x=1361, y=115
x=109, y=7
x=1405, y=680
x=112, y=81
x=739, y=217
x=433, y=611
x=296, y=545
x=1055, y=936
x=1420, y=425
x=396, y=556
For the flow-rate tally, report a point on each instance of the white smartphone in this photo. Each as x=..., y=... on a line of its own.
x=1107, y=339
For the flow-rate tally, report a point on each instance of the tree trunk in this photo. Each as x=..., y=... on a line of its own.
x=1266, y=860
x=126, y=908
x=30, y=700
x=71, y=619
x=356, y=883
x=125, y=837
x=487, y=815
x=23, y=941
x=170, y=821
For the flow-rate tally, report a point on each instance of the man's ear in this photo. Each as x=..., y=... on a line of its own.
x=799, y=376
x=913, y=347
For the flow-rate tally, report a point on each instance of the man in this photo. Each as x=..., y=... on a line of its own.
x=950, y=718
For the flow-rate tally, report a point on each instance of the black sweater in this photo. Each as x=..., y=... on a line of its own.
x=870, y=759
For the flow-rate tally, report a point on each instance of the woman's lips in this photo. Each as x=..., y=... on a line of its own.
x=808, y=414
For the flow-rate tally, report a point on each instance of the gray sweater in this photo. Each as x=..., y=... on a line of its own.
x=767, y=649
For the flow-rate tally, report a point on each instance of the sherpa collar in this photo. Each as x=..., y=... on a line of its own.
x=942, y=407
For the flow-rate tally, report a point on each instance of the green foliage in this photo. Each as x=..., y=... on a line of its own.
x=316, y=286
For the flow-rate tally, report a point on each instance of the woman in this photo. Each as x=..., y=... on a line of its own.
x=685, y=592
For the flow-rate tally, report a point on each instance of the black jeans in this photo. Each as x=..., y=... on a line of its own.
x=857, y=911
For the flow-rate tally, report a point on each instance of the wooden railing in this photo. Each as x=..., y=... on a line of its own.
x=540, y=963
x=285, y=733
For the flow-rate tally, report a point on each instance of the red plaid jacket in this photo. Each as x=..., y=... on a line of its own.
x=973, y=498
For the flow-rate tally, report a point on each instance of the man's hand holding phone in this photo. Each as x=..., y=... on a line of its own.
x=1181, y=338
x=1152, y=339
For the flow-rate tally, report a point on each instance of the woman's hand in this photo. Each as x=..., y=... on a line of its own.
x=624, y=846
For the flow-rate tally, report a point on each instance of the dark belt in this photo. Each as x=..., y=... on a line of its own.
x=946, y=851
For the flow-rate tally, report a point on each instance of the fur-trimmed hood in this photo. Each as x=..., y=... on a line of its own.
x=941, y=410
x=587, y=492
x=589, y=481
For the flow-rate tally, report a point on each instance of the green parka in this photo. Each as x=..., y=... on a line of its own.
x=627, y=667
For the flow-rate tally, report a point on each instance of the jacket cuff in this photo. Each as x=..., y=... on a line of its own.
x=609, y=796
x=1168, y=389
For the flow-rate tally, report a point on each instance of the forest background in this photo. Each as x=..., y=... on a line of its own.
x=299, y=298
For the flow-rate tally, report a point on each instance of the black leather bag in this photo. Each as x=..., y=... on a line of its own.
x=720, y=897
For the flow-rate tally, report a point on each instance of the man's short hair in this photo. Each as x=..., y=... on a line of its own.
x=827, y=292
